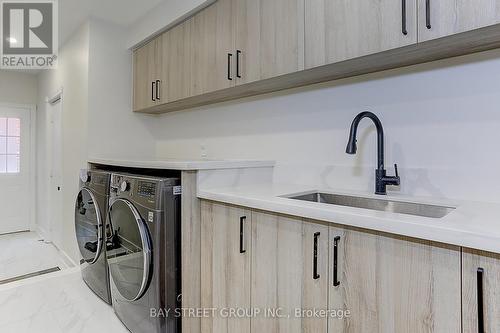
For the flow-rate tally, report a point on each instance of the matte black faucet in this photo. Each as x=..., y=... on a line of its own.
x=381, y=179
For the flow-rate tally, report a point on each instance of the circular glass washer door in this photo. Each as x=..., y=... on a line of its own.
x=130, y=259
x=88, y=226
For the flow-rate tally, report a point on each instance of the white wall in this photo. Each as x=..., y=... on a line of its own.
x=114, y=131
x=165, y=15
x=72, y=76
x=18, y=87
x=442, y=124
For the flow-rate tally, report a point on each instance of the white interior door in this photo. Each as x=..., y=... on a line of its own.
x=55, y=172
x=16, y=187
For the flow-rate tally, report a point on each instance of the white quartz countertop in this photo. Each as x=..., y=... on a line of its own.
x=472, y=224
x=185, y=165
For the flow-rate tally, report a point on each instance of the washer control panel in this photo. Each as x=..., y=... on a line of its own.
x=146, y=189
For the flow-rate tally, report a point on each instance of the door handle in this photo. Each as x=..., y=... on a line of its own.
x=229, y=57
x=242, y=234
x=480, y=301
x=403, y=29
x=336, y=281
x=238, y=54
x=153, y=90
x=315, y=256
x=428, y=14
x=158, y=82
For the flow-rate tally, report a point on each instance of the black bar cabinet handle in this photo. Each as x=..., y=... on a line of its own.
x=428, y=14
x=242, y=234
x=480, y=301
x=238, y=54
x=158, y=82
x=336, y=281
x=403, y=6
x=229, y=56
x=153, y=90
x=315, y=256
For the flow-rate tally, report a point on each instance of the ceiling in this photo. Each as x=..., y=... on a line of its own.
x=73, y=13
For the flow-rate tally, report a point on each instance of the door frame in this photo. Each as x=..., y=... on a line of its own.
x=32, y=159
x=50, y=100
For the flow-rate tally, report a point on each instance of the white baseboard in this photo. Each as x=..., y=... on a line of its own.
x=42, y=232
x=67, y=259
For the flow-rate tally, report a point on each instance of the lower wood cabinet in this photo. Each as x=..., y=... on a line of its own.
x=225, y=266
x=308, y=276
x=393, y=284
x=480, y=291
x=289, y=273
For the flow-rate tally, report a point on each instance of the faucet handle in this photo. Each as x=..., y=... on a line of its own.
x=396, y=169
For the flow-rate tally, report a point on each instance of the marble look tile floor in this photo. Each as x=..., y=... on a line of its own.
x=23, y=253
x=55, y=303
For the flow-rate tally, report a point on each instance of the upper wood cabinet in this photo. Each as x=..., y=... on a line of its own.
x=480, y=291
x=147, y=73
x=439, y=18
x=176, y=67
x=338, y=30
x=240, y=48
x=269, y=38
x=393, y=284
x=212, y=45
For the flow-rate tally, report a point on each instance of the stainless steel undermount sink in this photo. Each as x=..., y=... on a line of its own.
x=418, y=209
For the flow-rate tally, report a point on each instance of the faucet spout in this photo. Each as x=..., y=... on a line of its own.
x=381, y=179
x=352, y=146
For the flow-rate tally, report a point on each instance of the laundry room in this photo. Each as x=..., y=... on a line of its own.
x=257, y=166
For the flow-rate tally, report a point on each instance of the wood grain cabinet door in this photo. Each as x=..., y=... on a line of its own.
x=269, y=38
x=213, y=56
x=147, y=68
x=277, y=271
x=393, y=284
x=337, y=30
x=176, y=70
x=439, y=18
x=480, y=291
x=289, y=274
x=225, y=267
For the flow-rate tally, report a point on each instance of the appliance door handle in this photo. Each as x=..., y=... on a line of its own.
x=404, y=30
x=238, y=55
x=316, y=275
x=153, y=90
x=229, y=60
x=242, y=234
x=428, y=14
x=480, y=300
x=158, y=83
x=336, y=281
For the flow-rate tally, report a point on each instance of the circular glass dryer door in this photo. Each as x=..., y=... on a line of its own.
x=88, y=226
x=130, y=259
